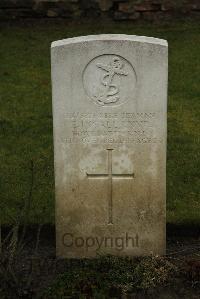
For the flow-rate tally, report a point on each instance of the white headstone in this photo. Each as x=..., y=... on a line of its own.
x=109, y=110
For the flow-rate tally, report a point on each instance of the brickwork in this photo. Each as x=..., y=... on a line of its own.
x=114, y=9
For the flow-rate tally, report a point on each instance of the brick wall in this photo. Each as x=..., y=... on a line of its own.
x=114, y=9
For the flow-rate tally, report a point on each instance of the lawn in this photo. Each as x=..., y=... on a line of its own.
x=26, y=154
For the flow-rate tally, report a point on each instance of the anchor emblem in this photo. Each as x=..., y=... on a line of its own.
x=109, y=92
x=109, y=80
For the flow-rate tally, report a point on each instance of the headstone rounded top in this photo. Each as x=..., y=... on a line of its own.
x=110, y=112
x=110, y=37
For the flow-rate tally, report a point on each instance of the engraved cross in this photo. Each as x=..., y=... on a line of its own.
x=110, y=176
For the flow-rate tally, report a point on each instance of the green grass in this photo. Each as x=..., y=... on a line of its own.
x=26, y=115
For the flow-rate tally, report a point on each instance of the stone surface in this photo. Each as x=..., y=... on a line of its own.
x=105, y=5
x=196, y=6
x=52, y=13
x=147, y=7
x=109, y=110
x=126, y=7
x=166, y=6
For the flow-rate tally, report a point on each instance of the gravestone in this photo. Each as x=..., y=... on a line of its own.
x=109, y=113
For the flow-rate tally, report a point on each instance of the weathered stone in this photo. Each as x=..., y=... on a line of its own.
x=105, y=5
x=147, y=7
x=56, y=9
x=167, y=6
x=109, y=111
x=195, y=6
x=52, y=13
x=126, y=7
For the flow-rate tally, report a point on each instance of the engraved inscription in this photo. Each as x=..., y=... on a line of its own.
x=109, y=80
x=110, y=176
x=121, y=127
